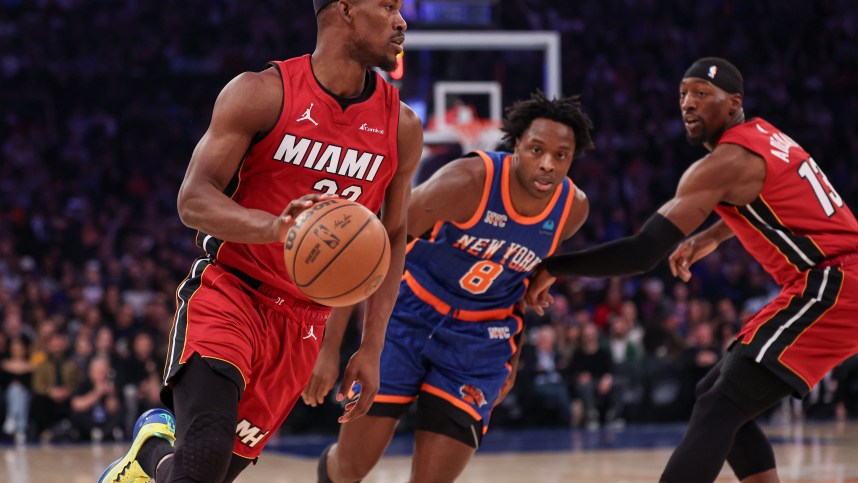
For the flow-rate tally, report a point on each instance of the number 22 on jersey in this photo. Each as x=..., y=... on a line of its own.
x=330, y=187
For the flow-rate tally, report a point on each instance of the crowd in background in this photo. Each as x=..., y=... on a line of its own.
x=102, y=102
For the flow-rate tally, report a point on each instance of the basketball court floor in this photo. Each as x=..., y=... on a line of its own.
x=808, y=452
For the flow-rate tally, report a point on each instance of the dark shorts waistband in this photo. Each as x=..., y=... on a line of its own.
x=279, y=299
x=247, y=279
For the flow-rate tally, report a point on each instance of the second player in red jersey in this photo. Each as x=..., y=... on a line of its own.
x=772, y=195
x=797, y=212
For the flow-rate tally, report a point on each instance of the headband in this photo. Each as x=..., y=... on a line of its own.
x=320, y=4
x=719, y=72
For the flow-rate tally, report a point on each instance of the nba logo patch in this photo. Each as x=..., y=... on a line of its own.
x=712, y=71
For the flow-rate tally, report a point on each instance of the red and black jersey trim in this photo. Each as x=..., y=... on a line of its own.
x=179, y=336
x=209, y=244
x=775, y=335
x=179, y=331
x=799, y=250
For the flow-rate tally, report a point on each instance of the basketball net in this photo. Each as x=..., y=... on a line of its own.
x=463, y=125
x=482, y=134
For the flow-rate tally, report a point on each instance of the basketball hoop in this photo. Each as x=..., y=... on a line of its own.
x=482, y=134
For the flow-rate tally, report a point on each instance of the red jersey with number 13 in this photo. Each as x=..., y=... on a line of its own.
x=315, y=147
x=798, y=220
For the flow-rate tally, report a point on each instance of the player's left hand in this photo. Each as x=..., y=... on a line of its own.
x=537, y=296
x=688, y=252
x=323, y=378
x=363, y=368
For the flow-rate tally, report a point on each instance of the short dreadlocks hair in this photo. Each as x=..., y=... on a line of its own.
x=566, y=110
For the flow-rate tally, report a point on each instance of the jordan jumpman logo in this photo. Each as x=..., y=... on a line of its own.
x=306, y=116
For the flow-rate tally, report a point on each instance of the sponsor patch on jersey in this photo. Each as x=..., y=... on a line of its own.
x=364, y=127
x=547, y=228
x=472, y=395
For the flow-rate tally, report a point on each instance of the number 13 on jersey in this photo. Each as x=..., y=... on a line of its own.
x=828, y=198
x=480, y=277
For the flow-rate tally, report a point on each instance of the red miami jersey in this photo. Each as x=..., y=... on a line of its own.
x=798, y=220
x=316, y=147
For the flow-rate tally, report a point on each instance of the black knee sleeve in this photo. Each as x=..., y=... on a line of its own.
x=742, y=391
x=436, y=415
x=752, y=386
x=751, y=452
x=207, y=448
x=707, y=441
x=708, y=380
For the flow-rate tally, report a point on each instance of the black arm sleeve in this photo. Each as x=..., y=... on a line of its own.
x=627, y=256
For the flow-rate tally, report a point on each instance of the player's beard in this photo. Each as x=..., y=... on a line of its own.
x=700, y=138
x=385, y=63
x=374, y=58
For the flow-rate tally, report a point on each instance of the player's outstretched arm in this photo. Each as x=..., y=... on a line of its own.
x=730, y=173
x=363, y=367
x=327, y=366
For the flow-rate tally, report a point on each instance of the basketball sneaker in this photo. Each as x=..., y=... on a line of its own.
x=153, y=423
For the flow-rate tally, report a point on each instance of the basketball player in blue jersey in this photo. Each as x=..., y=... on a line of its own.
x=452, y=341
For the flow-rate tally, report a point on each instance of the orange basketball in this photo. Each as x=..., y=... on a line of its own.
x=337, y=252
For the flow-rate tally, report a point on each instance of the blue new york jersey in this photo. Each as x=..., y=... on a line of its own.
x=481, y=264
x=453, y=329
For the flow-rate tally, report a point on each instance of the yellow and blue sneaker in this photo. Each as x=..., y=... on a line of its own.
x=154, y=422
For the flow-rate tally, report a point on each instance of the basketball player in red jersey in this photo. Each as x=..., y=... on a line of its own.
x=244, y=340
x=772, y=195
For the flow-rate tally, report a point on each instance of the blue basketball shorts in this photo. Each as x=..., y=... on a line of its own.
x=464, y=362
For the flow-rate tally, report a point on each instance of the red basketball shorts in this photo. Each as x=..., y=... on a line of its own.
x=262, y=339
x=809, y=328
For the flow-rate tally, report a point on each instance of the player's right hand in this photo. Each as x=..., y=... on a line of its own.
x=284, y=222
x=537, y=296
x=688, y=252
x=324, y=376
